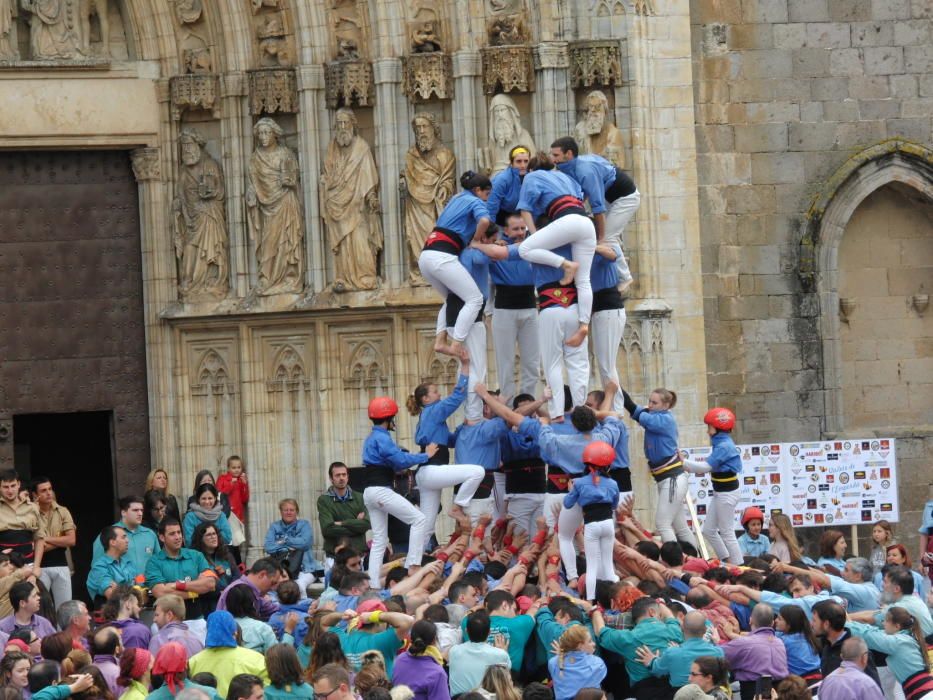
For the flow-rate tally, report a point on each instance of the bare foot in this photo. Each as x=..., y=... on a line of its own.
x=570, y=269
x=578, y=338
x=484, y=520
x=445, y=349
x=456, y=512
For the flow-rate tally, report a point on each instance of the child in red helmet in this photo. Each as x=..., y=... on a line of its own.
x=598, y=497
x=752, y=542
x=724, y=464
x=382, y=460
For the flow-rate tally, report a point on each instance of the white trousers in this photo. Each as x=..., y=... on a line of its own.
x=890, y=687
x=493, y=505
x=569, y=520
x=525, y=508
x=58, y=580
x=432, y=479
x=718, y=528
x=381, y=502
x=606, y=331
x=508, y=327
x=579, y=232
x=598, y=540
x=670, y=518
x=475, y=344
x=444, y=272
x=555, y=325
x=618, y=214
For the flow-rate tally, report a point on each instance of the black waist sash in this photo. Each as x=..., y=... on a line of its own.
x=623, y=186
x=608, y=299
x=558, y=481
x=596, y=512
x=622, y=477
x=564, y=205
x=374, y=475
x=454, y=305
x=666, y=468
x=20, y=541
x=444, y=240
x=510, y=296
x=724, y=482
x=525, y=476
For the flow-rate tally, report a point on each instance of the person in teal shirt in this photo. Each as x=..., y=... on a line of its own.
x=675, y=661
x=655, y=628
x=143, y=542
x=369, y=628
x=285, y=674
x=900, y=640
x=112, y=568
x=515, y=629
x=176, y=569
x=553, y=620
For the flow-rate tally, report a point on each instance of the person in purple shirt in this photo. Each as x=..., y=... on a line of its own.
x=24, y=597
x=169, y=617
x=260, y=579
x=849, y=681
x=758, y=654
x=105, y=651
x=421, y=668
x=122, y=613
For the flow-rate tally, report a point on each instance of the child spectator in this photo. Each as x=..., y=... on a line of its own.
x=753, y=543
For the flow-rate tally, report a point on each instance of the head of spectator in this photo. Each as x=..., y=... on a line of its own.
x=372, y=676
x=288, y=510
x=339, y=477
x=762, y=616
x=376, y=693
x=648, y=549
x=171, y=663
x=793, y=688
x=283, y=666
x=26, y=640
x=501, y=604
x=132, y=510
x=205, y=678
x=709, y=672
x=106, y=642
x=898, y=619
x=882, y=533
x=423, y=637
x=855, y=650
x=857, y=570
x=672, y=554
x=829, y=619
x=205, y=476
x=171, y=536
x=896, y=555
x=564, y=611
x=691, y=691
x=833, y=544
x=355, y=583
x=478, y=626
x=327, y=651
x=154, y=507
x=644, y=608
x=207, y=498
x=135, y=665
x=168, y=609
x=264, y=574
x=538, y=691
x=498, y=681
x=245, y=686
x=125, y=603
x=25, y=600
x=14, y=669
x=898, y=582
x=77, y=658
x=114, y=541
x=791, y=619
x=694, y=625
x=332, y=682
x=9, y=486
x=157, y=480
x=43, y=674
x=55, y=647
x=240, y=602
x=98, y=690
x=221, y=629
x=800, y=585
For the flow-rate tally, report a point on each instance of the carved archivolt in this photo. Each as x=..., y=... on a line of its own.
x=366, y=368
x=288, y=371
x=595, y=63
x=273, y=90
x=212, y=376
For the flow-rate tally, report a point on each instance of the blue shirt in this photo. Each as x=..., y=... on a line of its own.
x=801, y=657
x=541, y=187
x=191, y=522
x=513, y=271
x=432, y=425
x=904, y=658
x=476, y=263
x=505, y=190
x=579, y=670
x=660, y=433
x=282, y=536
x=585, y=492
x=926, y=520
x=462, y=214
x=479, y=443
x=545, y=274
x=621, y=460
x=603, y=272
x=595, y=174
x=106, y=570
x=754, y=547
x=675, y=661
x=839, y=564
x=515, y=446
x=380, y=450
x=565, y=450
x=806, y=603
x=724, y=457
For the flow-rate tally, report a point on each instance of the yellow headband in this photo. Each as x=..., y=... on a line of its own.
x=518, y=150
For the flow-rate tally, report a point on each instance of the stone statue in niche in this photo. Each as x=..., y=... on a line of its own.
x=188, y=11
x=54, y=29
x=101, y=8
x=199, y=222
x=424, y=38
x=505, y=132
x=428, y=181
x=8, y=48
x=596, y=134
x=348, y=50
x=350, y=206
x=506, y=31
x=272, y=42
x=274, y=212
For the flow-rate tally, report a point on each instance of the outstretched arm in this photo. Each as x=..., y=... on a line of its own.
x=511, y=417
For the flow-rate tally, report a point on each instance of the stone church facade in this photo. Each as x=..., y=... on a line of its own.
x=770, y=142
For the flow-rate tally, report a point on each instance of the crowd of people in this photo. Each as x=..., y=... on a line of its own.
x=506, y=607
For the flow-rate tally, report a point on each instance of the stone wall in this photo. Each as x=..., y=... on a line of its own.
x=787, y=92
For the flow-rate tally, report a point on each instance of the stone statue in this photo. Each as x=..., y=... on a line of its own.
x=596, y=134
x=350, y=206
x=424, y=38
x=199, y=222
x=428, y=182
x=8, y=48
x=505, y=132
x=188, y=11
x=274, y=212
x=54, y=29
x=101, y=9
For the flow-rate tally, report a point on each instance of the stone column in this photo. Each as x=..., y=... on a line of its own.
x=554, y=109
x=391, y=121
x=236, y=135
x=467, y=69
x=310, y=157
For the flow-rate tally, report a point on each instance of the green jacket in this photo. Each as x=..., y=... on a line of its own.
x=331, y=509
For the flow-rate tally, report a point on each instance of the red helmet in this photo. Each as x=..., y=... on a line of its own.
x=599, y=454
x=720, y=418
x=382, y=407
x=752, y=513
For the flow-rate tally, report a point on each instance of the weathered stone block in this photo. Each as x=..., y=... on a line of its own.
x=758, y=90
x=764, y=11
x=919, y=59
x=915, y=31
x=772, y=63
x=870, y=87
x=921, y=9
x=850, y=10
x=786, y=357
x=725, y=168
x=707, y=11
x=762, y=112
x=793, y=197
x=844, y=111
x=917, y=129
x=798, y=90
x=808, y=10
x=860, y=134
x=881, y=109
x=738, y=308
x=780, y=306
x=763, y=259
x=873, y=34
x=846, y=62
x=712, y=91
x=715, y=139
x=711, y=201
x=769, y=169
x=729, y=260
x=745, y=199
x=884, y=60
x=828, y=35
x=890, y=9
x=790, y=36
x=775, y=284
x=811, y=112
x=757, y=138
x=750, y=36
x=904, y=86
x=812, y=137
x=829, y=88
x=811, y=62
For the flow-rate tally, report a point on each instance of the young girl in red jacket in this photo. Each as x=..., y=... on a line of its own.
x=234, y=483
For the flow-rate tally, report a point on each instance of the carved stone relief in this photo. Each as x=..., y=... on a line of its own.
x=9, y=50
x=427, y=183
x=211, y=376
x=508, y=65
x=192, y=92
x=595, y=63
x=275, y=219
x=188, y=11
x=349, y=194
x=505, y=132
x=273, y=90
x=348, y=83
x=595, y=133
x=288, y=371
x=366, y=366
x=145, y=162
x=273, y=45
x=199, y=223
x=55, y=29
x=427, y=76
